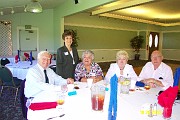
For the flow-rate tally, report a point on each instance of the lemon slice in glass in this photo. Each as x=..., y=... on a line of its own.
x=126, y=82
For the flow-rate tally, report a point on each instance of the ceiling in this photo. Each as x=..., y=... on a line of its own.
x=18, y=5
x=157, y=12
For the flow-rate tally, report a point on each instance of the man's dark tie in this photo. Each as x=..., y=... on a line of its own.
x=46, y=77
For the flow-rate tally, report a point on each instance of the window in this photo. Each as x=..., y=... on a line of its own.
x=156, y=41
x=150, y=40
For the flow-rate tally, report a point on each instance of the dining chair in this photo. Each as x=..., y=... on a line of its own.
x=23, y=99
x=176, y=77
x=53, y=67
x=4, y=61
x=8, y=81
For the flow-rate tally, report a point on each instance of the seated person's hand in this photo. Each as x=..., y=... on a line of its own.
x=152, y=85
x=70, y=81
x=94, y=79
x=97, y=79
x=147, y=81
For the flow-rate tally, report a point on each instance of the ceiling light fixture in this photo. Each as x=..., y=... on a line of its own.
x=34, y=7
x=1, y=12
x=12, y=11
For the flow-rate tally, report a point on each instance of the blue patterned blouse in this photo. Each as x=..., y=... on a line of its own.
x=81, y=72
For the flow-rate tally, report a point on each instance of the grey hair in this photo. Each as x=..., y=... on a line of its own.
x=122, y=52
x=88, y=52
x=41, y=53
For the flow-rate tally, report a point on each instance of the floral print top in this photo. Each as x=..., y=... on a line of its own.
x=81, y=71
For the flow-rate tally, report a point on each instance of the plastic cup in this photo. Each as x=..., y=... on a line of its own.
x=70, y=87
x=89, y=82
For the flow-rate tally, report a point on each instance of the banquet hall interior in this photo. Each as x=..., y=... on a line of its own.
x=103, y=26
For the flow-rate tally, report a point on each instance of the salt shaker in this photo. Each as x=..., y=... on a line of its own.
x=155, y=109
x=150, y=111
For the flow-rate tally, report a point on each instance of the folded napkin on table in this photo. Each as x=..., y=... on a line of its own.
x=176, y=77
x=43, y=105
x=112, y=110
x=16, y=57
x=140, y=84
x=167, y=98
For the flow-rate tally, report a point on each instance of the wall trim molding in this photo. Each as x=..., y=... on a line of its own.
x=102, y=27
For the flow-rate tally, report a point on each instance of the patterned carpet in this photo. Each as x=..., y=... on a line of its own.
x=7, y=109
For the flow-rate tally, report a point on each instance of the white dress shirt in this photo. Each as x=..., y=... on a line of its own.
x=163, y=73
x=128, y=72
x=35, y=81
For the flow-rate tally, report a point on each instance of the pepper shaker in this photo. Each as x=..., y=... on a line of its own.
x=155, y=109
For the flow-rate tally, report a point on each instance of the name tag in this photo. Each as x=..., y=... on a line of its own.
x=66, y=53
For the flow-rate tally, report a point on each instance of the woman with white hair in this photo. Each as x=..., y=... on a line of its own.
x=121, y=68
x=88, y=69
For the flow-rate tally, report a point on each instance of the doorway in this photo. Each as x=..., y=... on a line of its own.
x=153, y=43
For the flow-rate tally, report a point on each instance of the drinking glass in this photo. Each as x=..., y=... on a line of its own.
x=132, y=86
x=64, y=88
x=125, y=86
x=70, y=87
x=60, y=101
x=147, y=86
x=89, y=82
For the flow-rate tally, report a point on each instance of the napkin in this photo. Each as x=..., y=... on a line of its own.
x=140, y=84
x=43, y=105
x=26, y=55
x=112, y=110
x=16, y=58
x=176, y=77
x=167, y=98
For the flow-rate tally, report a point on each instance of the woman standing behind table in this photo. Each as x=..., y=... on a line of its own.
x=121, y=68
x=88, y=69
x=67, y=57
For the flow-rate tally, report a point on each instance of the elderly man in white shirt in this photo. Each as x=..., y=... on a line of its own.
x=157, y=73
x=38, y=81
x=121, y=68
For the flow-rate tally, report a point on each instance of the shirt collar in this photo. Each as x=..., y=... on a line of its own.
x=41, y=68
x=160, y=66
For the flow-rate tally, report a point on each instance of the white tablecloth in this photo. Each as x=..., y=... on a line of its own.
x=21, y=68
x=78, y=107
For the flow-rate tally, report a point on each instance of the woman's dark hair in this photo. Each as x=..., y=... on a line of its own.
x=67, y=33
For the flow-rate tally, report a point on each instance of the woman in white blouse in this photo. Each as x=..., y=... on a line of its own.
x=121, y=68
